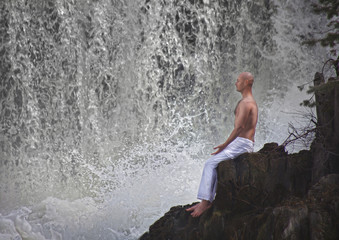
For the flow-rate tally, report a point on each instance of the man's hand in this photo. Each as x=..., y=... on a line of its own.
x=220, y=148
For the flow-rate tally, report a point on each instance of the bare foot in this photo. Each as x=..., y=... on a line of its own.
x=192, y=208
x=199, y=208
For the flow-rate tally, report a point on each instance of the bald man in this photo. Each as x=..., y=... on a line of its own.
x=240, y=140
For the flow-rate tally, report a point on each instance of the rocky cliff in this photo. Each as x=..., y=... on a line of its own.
x=271, y=194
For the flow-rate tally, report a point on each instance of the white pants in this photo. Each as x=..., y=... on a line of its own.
x=208, y=184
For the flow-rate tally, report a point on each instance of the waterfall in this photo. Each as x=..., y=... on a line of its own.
x=109, y=108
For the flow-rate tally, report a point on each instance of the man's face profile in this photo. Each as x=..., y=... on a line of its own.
x=240, y=83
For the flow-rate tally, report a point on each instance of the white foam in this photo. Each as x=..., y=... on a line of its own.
x=145, y=191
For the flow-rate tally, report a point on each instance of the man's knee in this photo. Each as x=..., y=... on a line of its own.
x=211, y=163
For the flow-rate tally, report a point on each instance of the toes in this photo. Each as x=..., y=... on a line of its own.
x=195, y=214
x=192, y=208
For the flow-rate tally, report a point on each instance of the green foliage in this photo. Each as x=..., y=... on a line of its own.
x=329, y=7
x=308, y=103
x=323, y=89
x=331, y=36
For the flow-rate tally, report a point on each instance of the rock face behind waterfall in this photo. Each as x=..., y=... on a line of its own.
x=270, y=194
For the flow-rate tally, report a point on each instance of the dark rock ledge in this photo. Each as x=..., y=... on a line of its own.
x=271, y=194
x=261, y=195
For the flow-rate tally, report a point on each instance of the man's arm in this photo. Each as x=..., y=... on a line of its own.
x=241, y=117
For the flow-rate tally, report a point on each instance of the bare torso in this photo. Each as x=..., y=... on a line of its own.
x=250, y=123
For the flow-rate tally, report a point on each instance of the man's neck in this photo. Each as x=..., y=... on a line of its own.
x=246, y=93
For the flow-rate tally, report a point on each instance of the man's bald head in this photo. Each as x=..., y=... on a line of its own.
x=247, y=76
x=244, y=82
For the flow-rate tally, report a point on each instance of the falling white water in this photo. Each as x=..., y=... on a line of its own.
x=110, y=108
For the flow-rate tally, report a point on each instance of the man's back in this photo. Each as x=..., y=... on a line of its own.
x=251, y=117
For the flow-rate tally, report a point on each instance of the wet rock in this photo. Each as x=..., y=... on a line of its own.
x=262, y=195
x=326, y=145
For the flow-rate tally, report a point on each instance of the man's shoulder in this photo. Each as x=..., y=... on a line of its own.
x=248, y=102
